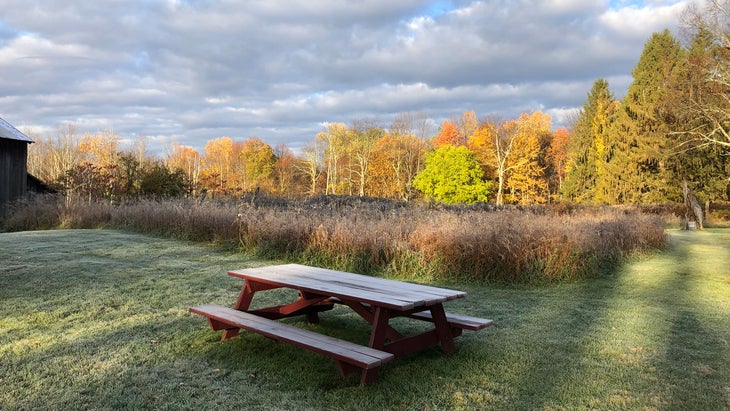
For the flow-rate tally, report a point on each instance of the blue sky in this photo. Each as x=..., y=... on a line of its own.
x=189, y=71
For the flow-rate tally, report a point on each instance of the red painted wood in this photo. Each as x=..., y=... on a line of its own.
x=446, y=340
x=351, y=353
x=396, y=295
x=376, y=300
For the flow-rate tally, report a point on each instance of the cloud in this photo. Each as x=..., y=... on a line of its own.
x=189, y=71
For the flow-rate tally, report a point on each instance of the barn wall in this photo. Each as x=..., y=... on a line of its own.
x=13, y=170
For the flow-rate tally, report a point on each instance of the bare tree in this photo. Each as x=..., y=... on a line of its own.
x=709, y=107
x=311, y=163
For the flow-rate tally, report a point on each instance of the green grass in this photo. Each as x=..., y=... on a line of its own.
x=97, y=319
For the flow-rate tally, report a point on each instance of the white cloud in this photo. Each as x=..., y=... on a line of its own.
x=193, y=70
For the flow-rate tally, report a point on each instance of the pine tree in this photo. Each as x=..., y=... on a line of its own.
x=581, y=172
x=644, y=124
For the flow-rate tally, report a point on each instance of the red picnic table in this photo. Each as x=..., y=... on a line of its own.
x=377, y=300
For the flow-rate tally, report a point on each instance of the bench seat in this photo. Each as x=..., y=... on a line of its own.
x=457, y=320
x=350, y=357
x=463, y=322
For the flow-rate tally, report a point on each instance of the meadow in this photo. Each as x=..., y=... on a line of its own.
x=97, y=319
x=427, y=242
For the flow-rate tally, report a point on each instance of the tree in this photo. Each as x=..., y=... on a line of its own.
x=50, y=158
x=580, y=170
x=641, y=140
x=311, y=163
x=709, y=109
x=188, y=161
x=467, y=125
x=396, y=160
x=694, y=101
x=556, y=159
x=364, y=135
x=525, y=180
x=493, y=142
x=284, y=173
x=608, y=185
x=334, y=141
x=160, y=182
x=218, y=164
x=100, y=149
x=452, y=175
x=448, y=134
x=258, y=163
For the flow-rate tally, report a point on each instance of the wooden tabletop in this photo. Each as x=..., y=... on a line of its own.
x=392, y=294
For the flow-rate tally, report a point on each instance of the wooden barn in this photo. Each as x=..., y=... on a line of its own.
x=13, y=164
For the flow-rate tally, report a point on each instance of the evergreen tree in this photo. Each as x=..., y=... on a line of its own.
x=644, y=124
x=581, y=172
x=607, y=187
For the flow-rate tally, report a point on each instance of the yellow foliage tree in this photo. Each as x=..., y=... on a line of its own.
x=187, y=160
x=526, y=183
x=218, y=165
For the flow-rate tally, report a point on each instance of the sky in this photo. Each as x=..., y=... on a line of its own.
x=189, y=71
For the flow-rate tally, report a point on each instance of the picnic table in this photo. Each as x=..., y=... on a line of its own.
x=376, y=300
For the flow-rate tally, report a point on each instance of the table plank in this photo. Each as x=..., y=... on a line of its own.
x=390, y=293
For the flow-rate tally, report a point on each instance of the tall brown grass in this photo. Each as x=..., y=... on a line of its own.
x=509, y=245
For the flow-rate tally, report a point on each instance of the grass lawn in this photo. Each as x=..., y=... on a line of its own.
x=97, y=319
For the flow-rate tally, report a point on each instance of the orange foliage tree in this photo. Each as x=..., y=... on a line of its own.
x=557, y=159
x=285, y=171
x=448, y=134
x=396, y=160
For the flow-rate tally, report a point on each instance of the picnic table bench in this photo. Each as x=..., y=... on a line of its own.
x=376, y=300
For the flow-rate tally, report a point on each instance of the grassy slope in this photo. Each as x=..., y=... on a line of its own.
x=98, y=319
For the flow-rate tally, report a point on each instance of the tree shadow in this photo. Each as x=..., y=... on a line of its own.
x=696, y=351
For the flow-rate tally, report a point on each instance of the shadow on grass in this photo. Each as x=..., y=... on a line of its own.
x=695, y=352
x=557, y=347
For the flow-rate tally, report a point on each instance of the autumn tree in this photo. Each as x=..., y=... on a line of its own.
x=525, y=180
x=311, y=164
x=49, y=158
x=408, y=135
x=334, y=140
x=467, y=124
x=608, y=185
x=188, y=161
x=708, y=108
x=396, y=160
x=284, y=171
x=556, y=160
x=258, y=161
x=218, y=164
x=452, y=175
x=447, y=135
x=493, y=142
x=361, y=145
x=101, y=149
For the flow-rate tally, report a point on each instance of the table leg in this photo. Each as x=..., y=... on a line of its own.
x=380, y=328
x=246, y=296
x=443, y=330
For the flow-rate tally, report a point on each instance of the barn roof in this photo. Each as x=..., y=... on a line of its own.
x=12, y=133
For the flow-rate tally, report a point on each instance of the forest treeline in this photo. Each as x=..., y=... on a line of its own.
x=673, y=124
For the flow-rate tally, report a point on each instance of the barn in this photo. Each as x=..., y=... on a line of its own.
x=13, y=164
